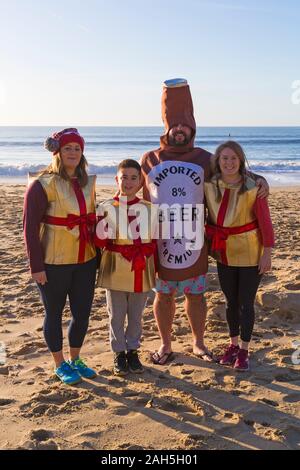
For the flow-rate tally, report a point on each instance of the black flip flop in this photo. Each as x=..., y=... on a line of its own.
x=206, y=354
x=168, y=357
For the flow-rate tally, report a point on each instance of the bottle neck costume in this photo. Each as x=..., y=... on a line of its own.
x=175, y=175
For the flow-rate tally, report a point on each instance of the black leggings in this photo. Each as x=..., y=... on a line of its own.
x=77, y=281
x=239, y=285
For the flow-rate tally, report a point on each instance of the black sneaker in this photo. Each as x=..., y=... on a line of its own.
x=134, y=363
x=120, y=363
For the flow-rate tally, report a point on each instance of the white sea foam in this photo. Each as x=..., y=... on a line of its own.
x=274, y=152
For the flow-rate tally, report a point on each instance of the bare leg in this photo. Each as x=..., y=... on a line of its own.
x=195, y=307
x=245, y=345
x=74, y=353
x=164, y=310
x=58, y=358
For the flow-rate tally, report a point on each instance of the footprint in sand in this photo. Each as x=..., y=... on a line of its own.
x=122, y=410
x=39, y=439
x=129, y=446
x=292, y=398
x=6, y=401
x=87, y=439
x=205, y=377
x=292, y=286
x=291, y=376
x=28, y=348
x=262, y=376
x=90, y=434
x=179, y=403
x=194, y=441
x=53, y=402
x=292, y=435
x=267, y=401
x=37, y=370
x=270, y=434
x=278, y=332
x=40, y=435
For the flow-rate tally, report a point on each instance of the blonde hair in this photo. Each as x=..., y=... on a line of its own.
x=239, y=152
x=56, y=167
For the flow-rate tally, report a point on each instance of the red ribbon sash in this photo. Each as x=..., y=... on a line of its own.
x=137, y=254
x=219, y=234
x=85, y=222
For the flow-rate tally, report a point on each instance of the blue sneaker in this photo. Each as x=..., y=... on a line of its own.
x=82, y=369
x=67, y=374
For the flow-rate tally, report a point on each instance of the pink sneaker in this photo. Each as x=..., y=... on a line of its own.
x=242, y=361
x=229, y=355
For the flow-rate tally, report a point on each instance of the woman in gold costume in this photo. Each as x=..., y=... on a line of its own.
x=59, y=222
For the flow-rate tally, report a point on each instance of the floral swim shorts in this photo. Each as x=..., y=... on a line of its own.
x=194, y=285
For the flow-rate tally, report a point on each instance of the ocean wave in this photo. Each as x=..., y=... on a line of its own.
x=25, y=169
x=266, y=167
x=154, y=143
x=275, y=166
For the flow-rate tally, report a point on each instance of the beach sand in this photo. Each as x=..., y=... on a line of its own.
x=188, y=404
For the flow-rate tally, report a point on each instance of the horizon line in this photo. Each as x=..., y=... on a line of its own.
x=141, y=126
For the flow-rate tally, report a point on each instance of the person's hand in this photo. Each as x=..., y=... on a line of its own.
x=40, y=278
x=264, y=188
x=265, y=262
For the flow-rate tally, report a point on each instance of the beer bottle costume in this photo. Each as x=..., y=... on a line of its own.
x=175, y=174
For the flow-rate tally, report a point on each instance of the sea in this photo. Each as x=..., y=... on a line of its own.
x=273, y=152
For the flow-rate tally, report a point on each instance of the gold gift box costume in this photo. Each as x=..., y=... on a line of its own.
x=67, y=230
x=127, y=264
x=232, y=229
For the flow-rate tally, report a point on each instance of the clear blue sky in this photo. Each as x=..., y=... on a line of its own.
x=102, y=62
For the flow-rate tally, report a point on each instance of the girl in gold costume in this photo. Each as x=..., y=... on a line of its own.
x=240, y=235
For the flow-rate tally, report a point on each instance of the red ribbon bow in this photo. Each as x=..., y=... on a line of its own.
x=85, y=222
x=137, y=254
x=218, y=237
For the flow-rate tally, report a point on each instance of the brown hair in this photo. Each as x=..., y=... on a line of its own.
x=238, y=150
x=56, y=167
x=129, y=163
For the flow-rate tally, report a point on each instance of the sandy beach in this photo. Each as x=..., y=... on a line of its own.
x=188, y=404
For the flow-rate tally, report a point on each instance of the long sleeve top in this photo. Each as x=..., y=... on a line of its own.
x=35, y=207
